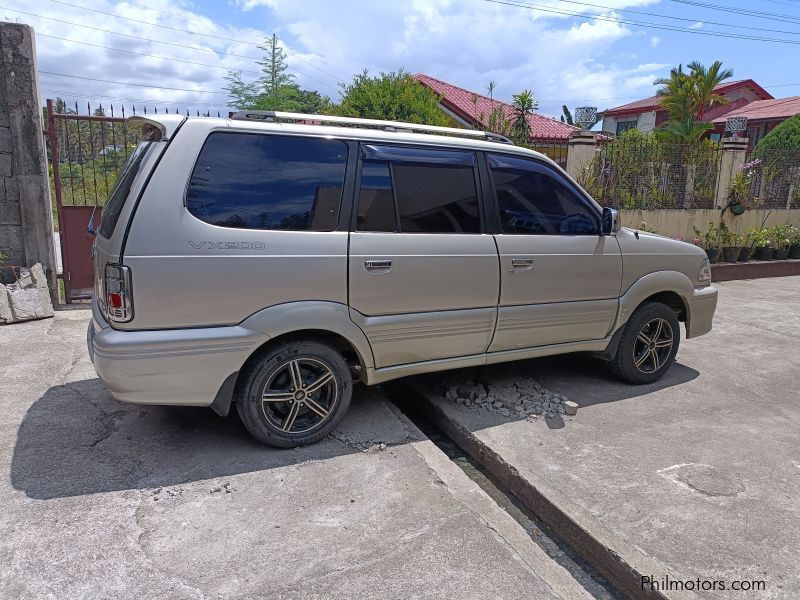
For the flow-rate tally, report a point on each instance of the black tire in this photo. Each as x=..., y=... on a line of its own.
x=643, y=355
x=294, y=417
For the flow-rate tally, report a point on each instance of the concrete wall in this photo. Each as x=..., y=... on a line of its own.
x=647, y=121
x=26, y=222
x=678, y=223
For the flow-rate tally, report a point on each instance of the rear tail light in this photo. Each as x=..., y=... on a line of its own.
x=117, y=289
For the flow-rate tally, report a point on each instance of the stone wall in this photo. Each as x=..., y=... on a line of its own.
x=26, y=222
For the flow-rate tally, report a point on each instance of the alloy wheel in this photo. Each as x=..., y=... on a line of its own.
x=299, y=395
x=653, y=345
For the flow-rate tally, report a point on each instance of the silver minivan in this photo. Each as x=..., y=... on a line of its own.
x=273, y=259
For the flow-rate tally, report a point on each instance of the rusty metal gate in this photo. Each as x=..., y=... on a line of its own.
x=86, y=152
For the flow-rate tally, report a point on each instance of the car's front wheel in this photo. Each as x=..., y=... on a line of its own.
x=648, y=344
x=295, y=394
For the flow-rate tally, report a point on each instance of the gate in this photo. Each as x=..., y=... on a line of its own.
x=86, y=152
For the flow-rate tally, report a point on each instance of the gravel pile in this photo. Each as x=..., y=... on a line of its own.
x=508, y=397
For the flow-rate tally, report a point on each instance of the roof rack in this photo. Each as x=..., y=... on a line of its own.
x=271, y=116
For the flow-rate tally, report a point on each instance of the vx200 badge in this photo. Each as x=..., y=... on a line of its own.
x=209, y=245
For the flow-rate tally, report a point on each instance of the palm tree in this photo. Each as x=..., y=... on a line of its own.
x=490, y=88
x=688, y=130
x=687, y=96
x=676, y=94
x=705, y=80
x=523, y=105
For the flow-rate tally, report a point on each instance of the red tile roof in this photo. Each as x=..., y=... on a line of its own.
x=474, y=107
x=654, y=102
x=775, y=109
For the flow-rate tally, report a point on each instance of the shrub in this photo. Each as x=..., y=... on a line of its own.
x=785, y=136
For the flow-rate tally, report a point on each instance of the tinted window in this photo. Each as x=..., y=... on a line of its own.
x=430, y=197
x=376, y=200
x=122, y=188
x=533, y=202
x=268, y=182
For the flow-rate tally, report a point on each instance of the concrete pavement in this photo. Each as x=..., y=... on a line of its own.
x=694, y=477
x=104, y=500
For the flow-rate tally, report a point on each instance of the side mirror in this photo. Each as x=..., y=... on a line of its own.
x=611, y=221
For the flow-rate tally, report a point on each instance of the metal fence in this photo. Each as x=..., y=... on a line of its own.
x=639, y=171
x=90, y=148
x=556, y=150
x=86, y=151
x=774, y=179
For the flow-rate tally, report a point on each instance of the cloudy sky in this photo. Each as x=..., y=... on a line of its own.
x=593, y=52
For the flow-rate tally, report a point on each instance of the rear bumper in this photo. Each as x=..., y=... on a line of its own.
x=702, y=304
x=176, y=366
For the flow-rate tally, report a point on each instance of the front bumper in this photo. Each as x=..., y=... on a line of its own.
x=170, y=366
x=702, y=304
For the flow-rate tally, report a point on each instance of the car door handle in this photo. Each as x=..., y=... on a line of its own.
x=378, y=264
x=523, y=264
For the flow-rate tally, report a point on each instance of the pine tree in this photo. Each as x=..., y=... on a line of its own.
x=274, y=79
x=275, y=89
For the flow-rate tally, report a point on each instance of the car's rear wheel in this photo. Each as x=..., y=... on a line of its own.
x=648, y=344
x=295, y=394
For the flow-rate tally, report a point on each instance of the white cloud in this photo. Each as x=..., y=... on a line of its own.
x=564, y=60
x=655, y=41
x=467, y=43
x=696, y=25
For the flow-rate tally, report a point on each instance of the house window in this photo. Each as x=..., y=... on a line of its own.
x=754, y=134
x=623, y=126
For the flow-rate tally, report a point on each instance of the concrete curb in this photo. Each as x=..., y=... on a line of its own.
x=622, y=564
x=754, y=270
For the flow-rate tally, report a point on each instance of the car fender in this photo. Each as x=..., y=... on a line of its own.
x=293, y=317
x=651, y=284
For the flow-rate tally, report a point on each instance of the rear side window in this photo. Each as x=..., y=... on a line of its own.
x=122, y=188
x=256, y=181
x=427, y=191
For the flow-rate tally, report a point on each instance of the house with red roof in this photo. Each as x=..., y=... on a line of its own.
x=470, y=109
x=647, y=114
x=762, y=116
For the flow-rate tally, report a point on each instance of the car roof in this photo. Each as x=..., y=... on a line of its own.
x=168, y=124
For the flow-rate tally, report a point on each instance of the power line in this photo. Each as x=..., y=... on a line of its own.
x=184, y=13
x=152, y=41
x=719, y=34
x=685, y=19
x=208, y=35
x=128, y=83
x=742, y=11
x=55, y=37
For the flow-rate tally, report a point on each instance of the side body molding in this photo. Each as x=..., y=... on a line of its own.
x=299, y=316
x=653, y=283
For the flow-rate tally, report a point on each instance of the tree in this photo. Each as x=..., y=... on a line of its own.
x=490, y=87
x=688, y=130
x=567, y=116
x=242, y=95
x=523, y=105
x=395, y=96
x=275, y=89
x=777, y=151
x=688, y=95
x=705, y=80
x=274, y=81
x=785, y=136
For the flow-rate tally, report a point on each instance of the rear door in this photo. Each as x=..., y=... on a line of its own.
x=423, y=277
x=560, y=278
x=233, y=222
